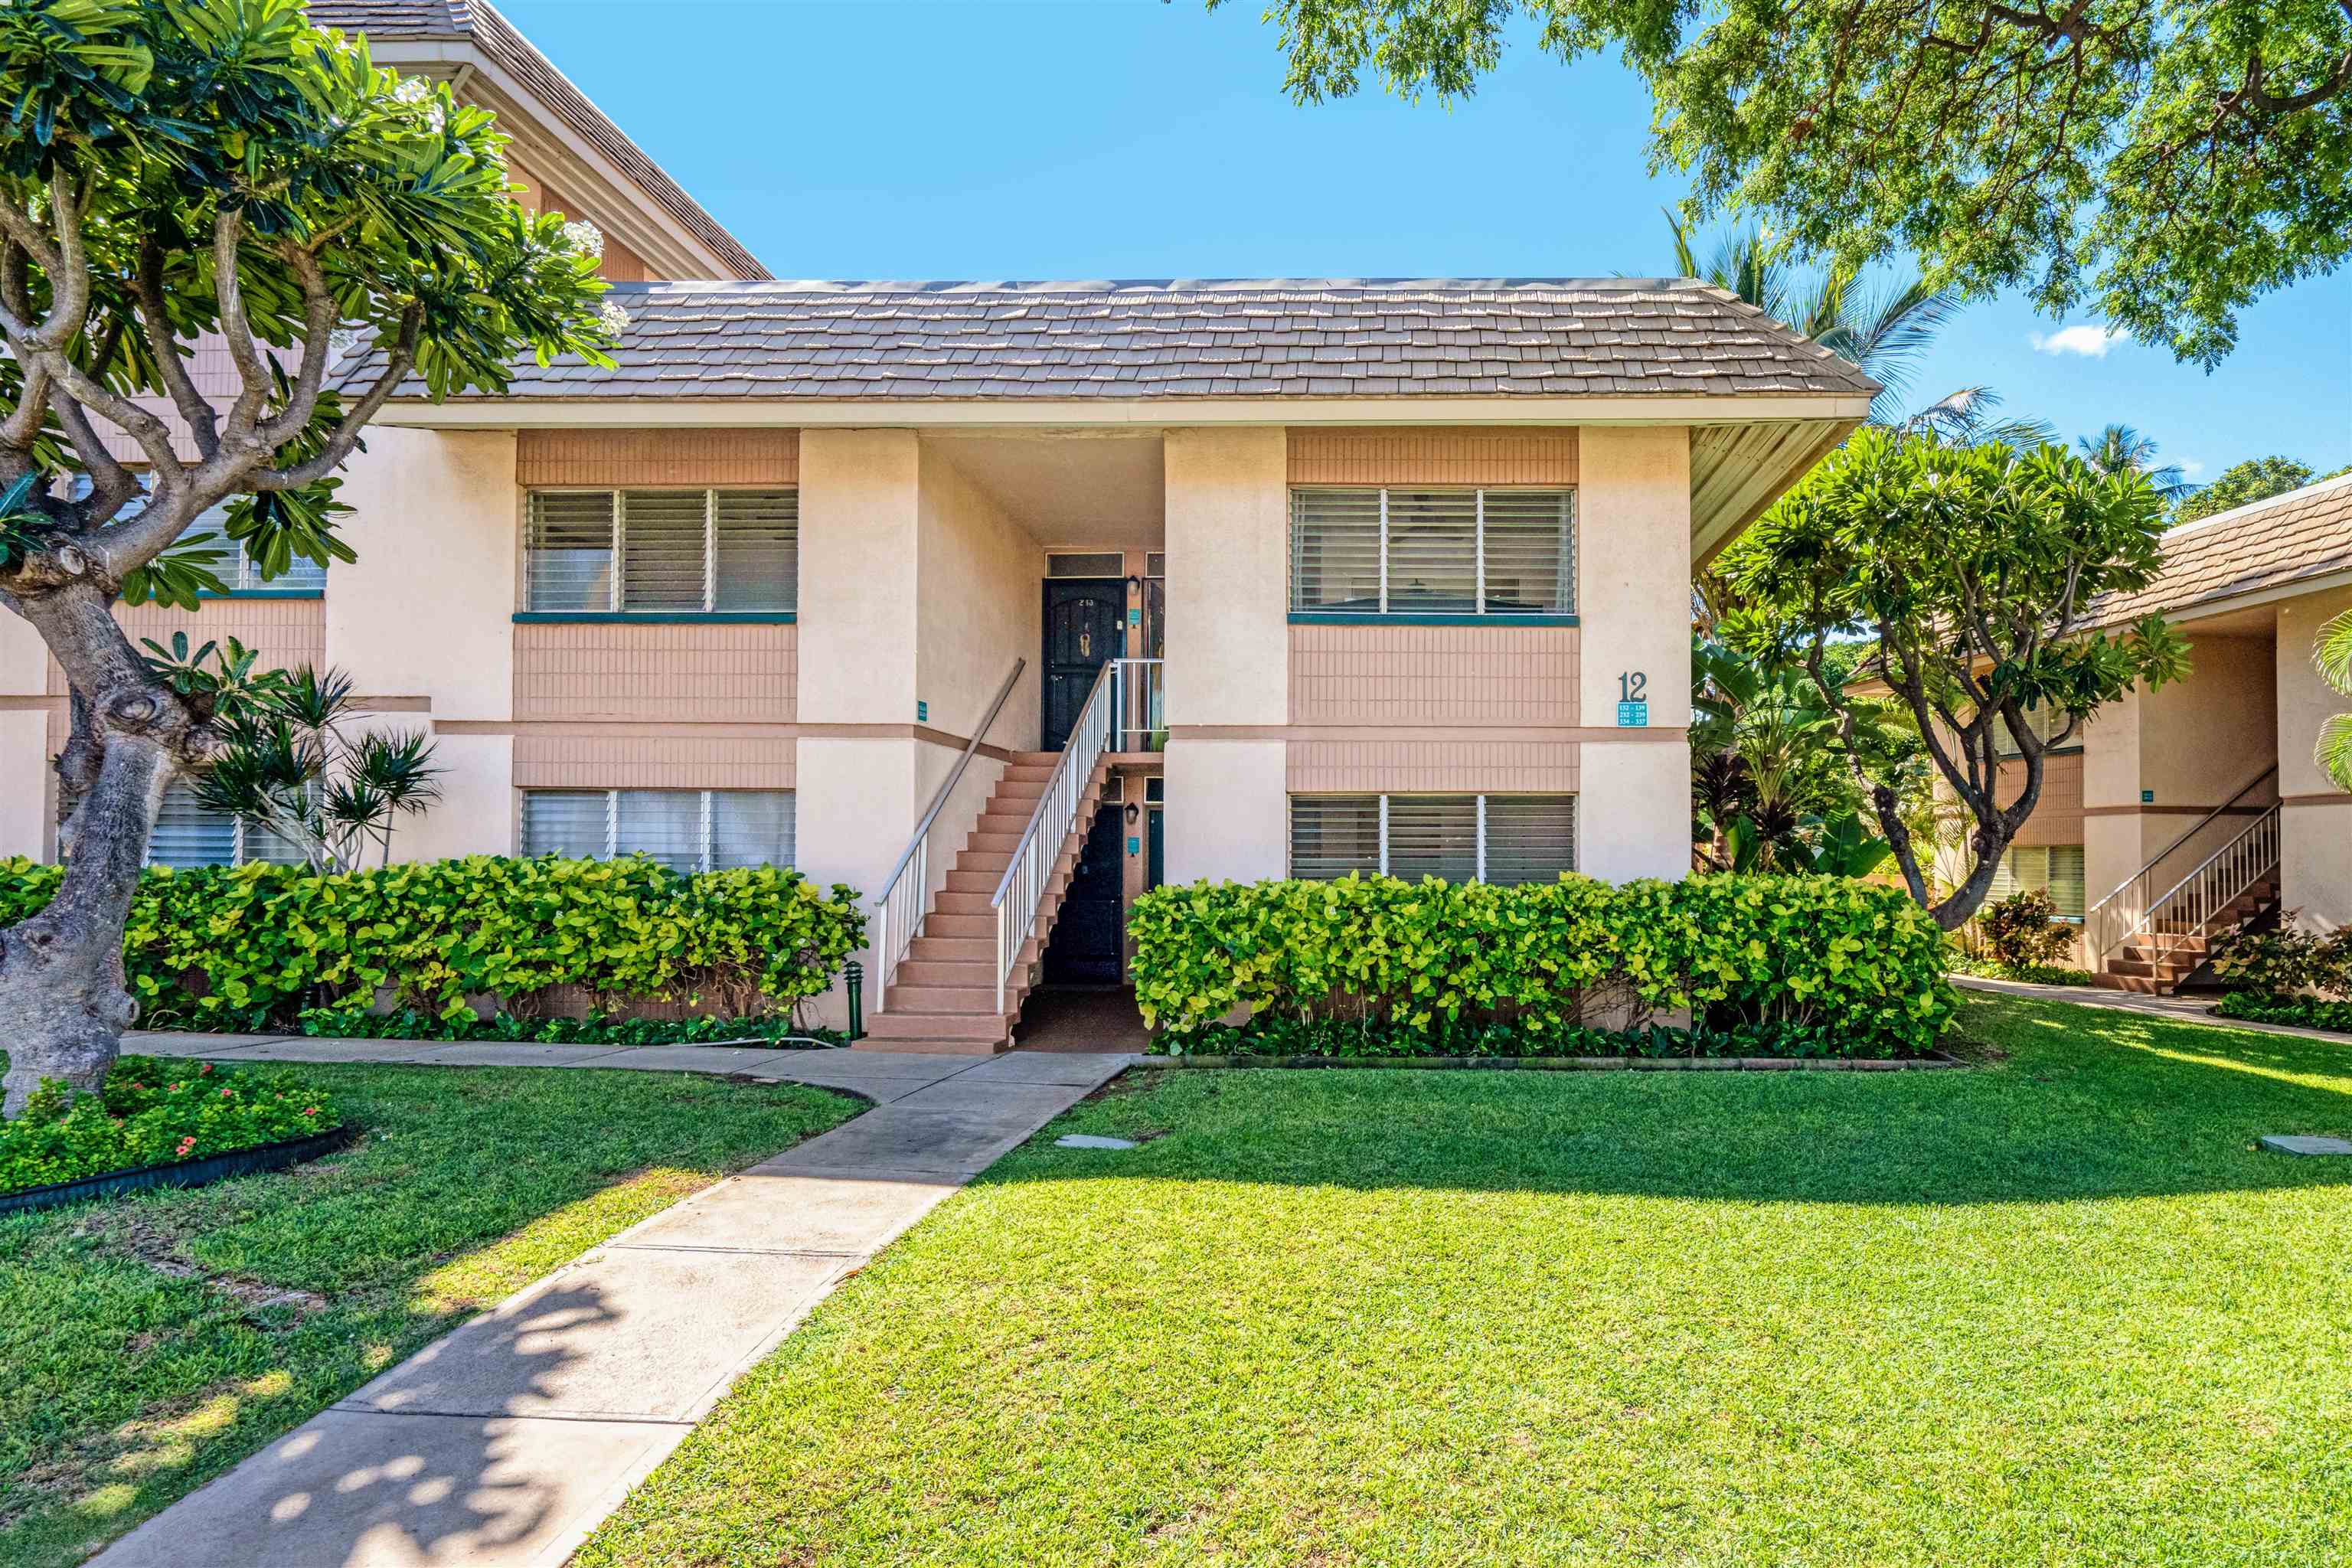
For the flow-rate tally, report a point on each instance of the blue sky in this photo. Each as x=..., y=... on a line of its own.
x=991, y=139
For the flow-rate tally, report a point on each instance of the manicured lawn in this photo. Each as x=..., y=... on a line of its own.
x=2056, y=1310
x=148, y=1343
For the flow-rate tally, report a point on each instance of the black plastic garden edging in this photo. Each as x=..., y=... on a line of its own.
x=181, y=1173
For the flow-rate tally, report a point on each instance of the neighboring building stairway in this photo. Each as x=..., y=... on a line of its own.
x=2140, y=939
x=2159, y=960
x=944, y=997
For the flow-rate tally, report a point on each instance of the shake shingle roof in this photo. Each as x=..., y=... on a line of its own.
x=1265, y=338
x=474, y=21
x=2263, y=545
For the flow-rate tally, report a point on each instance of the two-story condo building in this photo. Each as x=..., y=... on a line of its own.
x=1000, y=602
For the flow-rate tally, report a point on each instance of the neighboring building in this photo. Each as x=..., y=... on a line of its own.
x=1208, y=580
x=2183, y=812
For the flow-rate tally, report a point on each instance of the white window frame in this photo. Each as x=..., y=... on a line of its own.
x=703, y=856
x=1478, y=595
x=616, y=590
x=1575, y=848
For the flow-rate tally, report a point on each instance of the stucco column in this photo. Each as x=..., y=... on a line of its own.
x=2315, y=813
x=1632, y=601
x=23, y=740
x=1228, y=653
x=424, y=619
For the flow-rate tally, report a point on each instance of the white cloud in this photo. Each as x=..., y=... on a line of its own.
x=2190, y=467
x=2088, y=340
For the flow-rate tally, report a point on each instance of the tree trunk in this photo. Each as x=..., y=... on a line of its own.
x=62, y=989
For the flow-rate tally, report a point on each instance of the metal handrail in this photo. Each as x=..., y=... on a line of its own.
x=2202, y=896
x=1033, y=855
x=2194, y=829
x=1135, y=698
x=899, y=917
x=2109, y=931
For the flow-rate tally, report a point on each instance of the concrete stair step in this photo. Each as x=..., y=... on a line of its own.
x=944, y=971
x=963, y=882
x=958, y=1000
x=982, y=926
x=950, y=902
x=933, y=949
x=979, y=1027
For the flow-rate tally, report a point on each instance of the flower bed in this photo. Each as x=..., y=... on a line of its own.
x=1767, y=966
x=776, y=1030
x=2303, y=1012
x=156, y=1112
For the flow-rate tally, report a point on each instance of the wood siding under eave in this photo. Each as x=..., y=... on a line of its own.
x=1452, y=766
x=1435, y=455
x=1511, y=677
x=2058, y=816
x=651, y=757
x=676, y=672
x=657, y=459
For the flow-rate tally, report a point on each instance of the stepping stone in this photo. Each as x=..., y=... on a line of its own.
x=1088, y=1141
x=2297, y=1144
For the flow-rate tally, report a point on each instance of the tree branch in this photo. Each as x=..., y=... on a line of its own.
x=236, y=332
x=355, y=418
x=154, y=315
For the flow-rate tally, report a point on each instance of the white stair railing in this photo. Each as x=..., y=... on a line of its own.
x=899, y=912
x=1022, y=889
x=2193, y=906
x=2124, y=913
x=1138, y=705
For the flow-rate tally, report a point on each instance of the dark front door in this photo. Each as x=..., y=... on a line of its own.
x=1086, y=619
x=1085, y=947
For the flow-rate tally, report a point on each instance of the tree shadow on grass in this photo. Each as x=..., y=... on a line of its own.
x=2085, y=1104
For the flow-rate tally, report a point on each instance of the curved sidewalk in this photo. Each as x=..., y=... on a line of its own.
x=507, y=1442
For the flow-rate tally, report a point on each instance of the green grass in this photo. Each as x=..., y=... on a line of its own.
x=2055, y=1311
x=147, y=1344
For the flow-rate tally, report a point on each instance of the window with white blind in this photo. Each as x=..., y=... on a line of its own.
x=2057, y=867
x=1443, y=552
x=2040, y=722
x=685, y=829
x=237, y=570
x=662, y=551
x=1501, y=838
x=189, y=834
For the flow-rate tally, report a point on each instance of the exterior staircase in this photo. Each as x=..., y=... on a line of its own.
x=2145, y=941
x=2159, y=959
x=943, y=996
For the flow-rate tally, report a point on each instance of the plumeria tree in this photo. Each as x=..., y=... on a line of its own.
x=178, y=171
x=1968, y=573
x=2334, y=657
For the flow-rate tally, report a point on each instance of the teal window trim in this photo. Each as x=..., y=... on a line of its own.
x=1374, y=618
x=266, y=594
x=656, y=617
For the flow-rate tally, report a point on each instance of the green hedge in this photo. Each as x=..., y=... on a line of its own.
x=155, y=1112
x=250, y=947
x=1779, y=965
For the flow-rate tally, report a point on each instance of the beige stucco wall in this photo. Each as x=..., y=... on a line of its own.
x=477, y=812
x=24, y=783
x=860, y=528
x=1228, y=815
x=1632, y=576
x=426, y=610
x=1228, y=581
x=856, y=798
x=980, y=605
x=1632, y=809
x=2316, y=825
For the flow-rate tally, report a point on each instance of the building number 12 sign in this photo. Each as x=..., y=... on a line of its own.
x=1633, y=700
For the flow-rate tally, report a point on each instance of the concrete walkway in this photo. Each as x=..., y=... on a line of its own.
x=2172, y=1009
x=508, y=1442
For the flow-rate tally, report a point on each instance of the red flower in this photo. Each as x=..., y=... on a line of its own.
x=186, y=1145
x=226, y=1093
x=204, y=1069
x=312, y=1110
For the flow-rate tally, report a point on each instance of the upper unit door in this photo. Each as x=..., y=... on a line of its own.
x=1086, y=628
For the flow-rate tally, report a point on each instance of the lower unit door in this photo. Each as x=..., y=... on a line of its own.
x=1085, y=947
